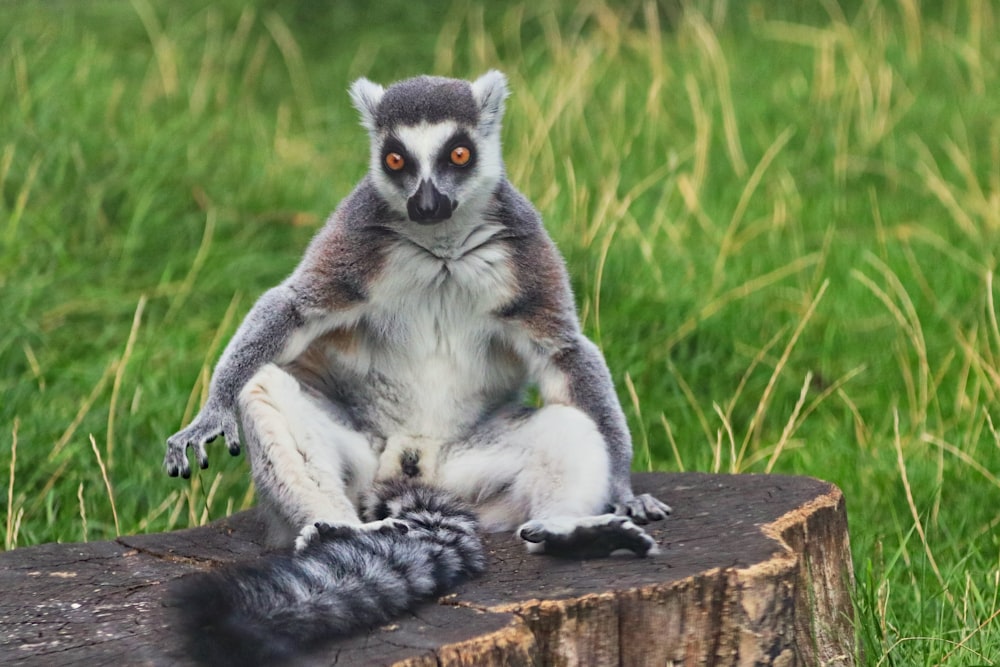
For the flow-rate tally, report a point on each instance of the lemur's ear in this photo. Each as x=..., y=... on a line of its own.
x=490, y=91
x=366, y=96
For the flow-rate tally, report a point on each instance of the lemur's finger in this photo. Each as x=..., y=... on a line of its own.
x=533, y=531
x=653, y=507
x=643, y=509
x=635, y=511
x=621, y=509
x=201, y=455
x=229, y=430
x=169, y=465
x=175, y=460
x=638, y=513
x=640, y=543
x=183, y=467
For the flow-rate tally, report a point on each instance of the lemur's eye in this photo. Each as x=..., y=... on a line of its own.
x=460, y=156
x=394, y=161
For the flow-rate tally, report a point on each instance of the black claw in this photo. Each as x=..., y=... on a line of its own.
x=186, y=473
x=234, y=449
x=211, y=438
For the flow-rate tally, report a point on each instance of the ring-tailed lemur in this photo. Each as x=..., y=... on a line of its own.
x=403, y=342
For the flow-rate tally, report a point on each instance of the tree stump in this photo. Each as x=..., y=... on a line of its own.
x=753, y=570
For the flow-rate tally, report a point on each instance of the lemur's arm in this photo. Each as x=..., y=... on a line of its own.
x=275, y=329
x=319, y=296
x=568, y=368
x=576, y=374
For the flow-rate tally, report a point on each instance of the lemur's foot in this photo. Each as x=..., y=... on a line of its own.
x=323, y=531
x=642, y=509
x=586, y=537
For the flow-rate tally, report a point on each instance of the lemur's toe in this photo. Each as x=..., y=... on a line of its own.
x=307, y=535
x=635, y=539
x=533, y=531
x=393, y=525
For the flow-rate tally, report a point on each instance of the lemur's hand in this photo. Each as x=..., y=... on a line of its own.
x=213, y=420
x=642, y=509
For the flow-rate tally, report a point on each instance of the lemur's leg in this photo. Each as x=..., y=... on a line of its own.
x=546, y=471
x=307, y=465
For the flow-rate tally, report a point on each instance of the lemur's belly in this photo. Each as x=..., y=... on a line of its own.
x=426, y=356
x=438, y=398
x=432, y=382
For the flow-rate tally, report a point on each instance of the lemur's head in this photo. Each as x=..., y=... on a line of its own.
x=435, y=142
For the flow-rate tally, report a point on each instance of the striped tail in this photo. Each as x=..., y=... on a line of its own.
x=348, y=579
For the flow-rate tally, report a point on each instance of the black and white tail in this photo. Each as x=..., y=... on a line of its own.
x=346, y=580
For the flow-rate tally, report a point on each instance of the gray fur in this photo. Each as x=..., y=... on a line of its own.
x=403, y=347
x=347, y=579
x=427, y=99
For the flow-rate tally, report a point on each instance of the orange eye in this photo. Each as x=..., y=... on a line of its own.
x=460, y=156
x=394, y=161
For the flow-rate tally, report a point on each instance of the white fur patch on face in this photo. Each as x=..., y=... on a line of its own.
x=425, y=142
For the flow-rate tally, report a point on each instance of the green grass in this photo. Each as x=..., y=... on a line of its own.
x=782, y=225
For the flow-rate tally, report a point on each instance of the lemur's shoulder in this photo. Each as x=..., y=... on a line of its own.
x=544, y=298
x=348, y=252
x=512, y=209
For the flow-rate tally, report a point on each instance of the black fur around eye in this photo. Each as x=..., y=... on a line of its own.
x=395, y=158
x=460, y=151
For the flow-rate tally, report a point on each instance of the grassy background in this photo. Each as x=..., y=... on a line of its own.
x=782, y=224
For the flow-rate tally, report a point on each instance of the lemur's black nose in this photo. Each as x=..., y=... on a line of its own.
x=428, y=205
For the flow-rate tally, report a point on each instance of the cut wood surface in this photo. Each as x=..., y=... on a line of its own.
x=753, y=570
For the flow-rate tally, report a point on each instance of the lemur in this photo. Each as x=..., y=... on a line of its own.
x=402, y=345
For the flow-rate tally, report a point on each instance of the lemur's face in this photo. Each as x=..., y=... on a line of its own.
x=435, y=143
x=430, y=167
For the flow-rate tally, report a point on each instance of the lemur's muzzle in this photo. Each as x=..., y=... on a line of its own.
x=428, y=205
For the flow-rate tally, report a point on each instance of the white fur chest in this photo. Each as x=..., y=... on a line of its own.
x=431, y=335
x=438, y=273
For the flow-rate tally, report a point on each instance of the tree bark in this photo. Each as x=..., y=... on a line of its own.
x=753, y=570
